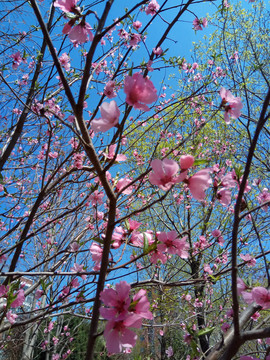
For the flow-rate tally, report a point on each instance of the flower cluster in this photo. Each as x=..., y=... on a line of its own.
x=169, y=244
x=164, y=175
x=79, y=33
x=122, y=314
x=139, y=92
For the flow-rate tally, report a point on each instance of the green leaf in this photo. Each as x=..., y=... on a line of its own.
x=70, y=15
x=127, y=224
x=97, y=239
x=200, y=162
x=238, y=171
x=145, y=244
x=214, y=278
x=205, y=331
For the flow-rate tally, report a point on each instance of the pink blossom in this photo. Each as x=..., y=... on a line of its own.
x=3, y=290
x=122, y=183
x=172, y=245
x=118, y=237
x=140, y=91
x=53, y=155
x=139, y=239
x=158, y=255
x=208, y=269
x=199, y=183
x=224, y=196
x=11, y=317
x=202, y=243
x=118, y=336
x=261, y=296
x=74, y=246
x=96, y=253
x=116, y=301
x=75, y=283
x=186, y=161
x=66, y=29
x=109, y=89
x=134, y=39
x=216, y=233
x=111, y=154
x=65, y=61
x=158, y=51
x=17, y=59
x=164, y=173
x=241, y=286
x=123, y=34
x=109, y=117
x=256, y=316
x=221, y=240
x=78, y=269
x=80, y=33
x=133, y=224
x=169, y=352
x=66, y=5
x=264, y=197
x=152, y=8
x=199, y=23
x=39, y=293
x=19, y=299
x=123, y=314
x=149, y=66
x=229, y=180
x=187, y=338
x=251, y=261
x=96, y=198
x=49, y=328
x=140, y=305
x=137, y=25
x=225, y=327
x=233, y=109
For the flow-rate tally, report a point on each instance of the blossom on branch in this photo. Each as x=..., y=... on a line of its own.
x=264, y=197
x=123, y=314
x=66, y=5
x=172, y=245
x=164, y=173
x=118, y=336
x=80, y=33
x=11, y=317
x=140, y=91
x=109, y=117
x=152, y=8
x=261, y=296
x=17, y=59
x=19, y=299
x=186, y=162
x=199, y=183
x=65, y=61
x=122, y=184
x=198, y=24
x=109, y=89
x=233, y=109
